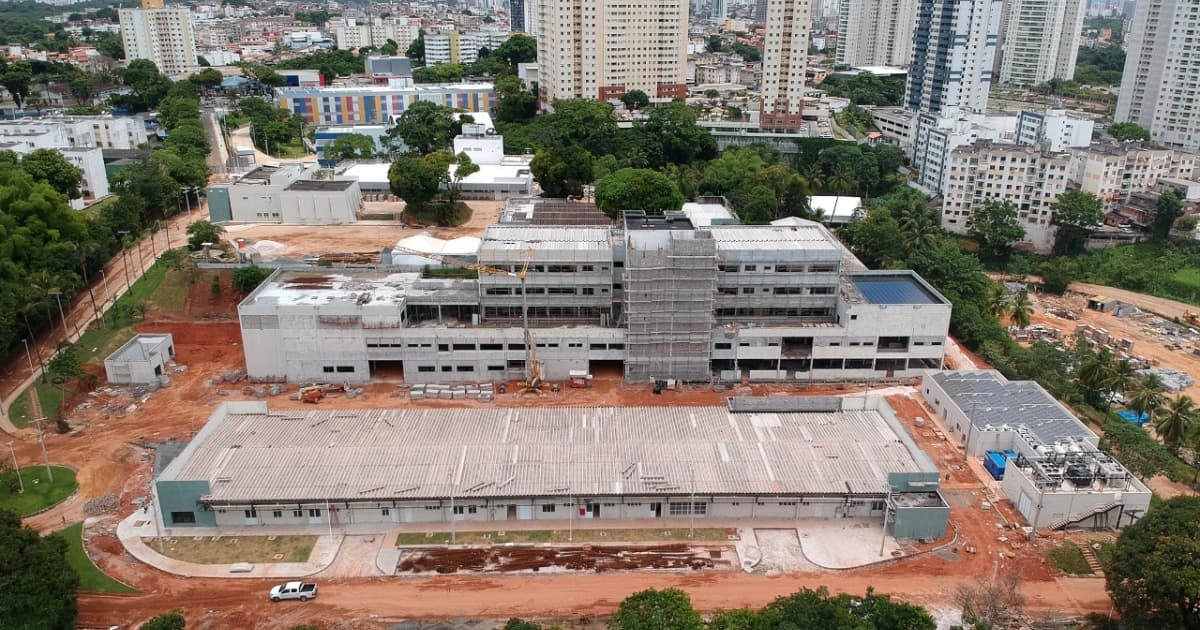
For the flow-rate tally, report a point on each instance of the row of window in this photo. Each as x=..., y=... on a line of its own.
x=776, y=290
x=545, y=291
x=780, y=268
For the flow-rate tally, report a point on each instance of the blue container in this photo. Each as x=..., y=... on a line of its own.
x=993, y=462
x=1132, y=416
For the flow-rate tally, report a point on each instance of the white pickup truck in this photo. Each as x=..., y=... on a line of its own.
x=293, y=590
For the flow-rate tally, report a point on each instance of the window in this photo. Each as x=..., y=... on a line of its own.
x=491, y=346
x=183, y=517
x=516, y=346
x=727, y=290
x=343, y=369
x=465, y=368
x=297, y=513
x=458, y=509
x=548, y=508
x=877, y=506
x=425, y=368
x=586, y=268
x=328, y=369
x=723, y=346
x=561, y=290
x=277, y=514
x=443, y=347
x=385, y=511
x=587, y=291
x=314, y=513
x=684, y=509
x=516, y=364
x=751, y=268
x=464, y=346
x=728, y=268
x=747, y=290
x=446, y=368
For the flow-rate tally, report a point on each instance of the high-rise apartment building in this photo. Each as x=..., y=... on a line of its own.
x=785, y=53
x=1041, y=40
x=516, y=16
x=1162, y=70
x=954, y=44
x=162, y=35
x=760, y=11
x=600, y=49
x=876, y=32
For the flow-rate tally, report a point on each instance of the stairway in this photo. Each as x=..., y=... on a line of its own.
x=1075, y=518
x=1089, y=554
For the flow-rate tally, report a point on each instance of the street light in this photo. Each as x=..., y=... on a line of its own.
x=57, y=293
x=28, y=357
x=16, y=466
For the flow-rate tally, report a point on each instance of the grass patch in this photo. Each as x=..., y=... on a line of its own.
x=40, y=492
x=231, y=549
x=1103, y=550
x=50, y=395
x=94, y=210
x=431, y=215
x=293, y=149
x=706, y=534
x=1068, y=558
x=91, y=578
x=97, y=343
x=449, y=272
x=171, y=294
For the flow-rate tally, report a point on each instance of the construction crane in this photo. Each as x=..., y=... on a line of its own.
x=533, y=367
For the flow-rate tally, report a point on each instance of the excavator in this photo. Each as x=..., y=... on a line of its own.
x=533, y=367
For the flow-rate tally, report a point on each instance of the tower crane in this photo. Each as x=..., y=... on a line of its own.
x=533, y=367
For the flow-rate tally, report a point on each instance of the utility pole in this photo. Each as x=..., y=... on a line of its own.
x=42, y=440
x=57, y=293
x=692, y=507
x=887, y=503
x=91, y=294
x=452, y=519
x=571, y=521
x=16, y=466
x=28, y=357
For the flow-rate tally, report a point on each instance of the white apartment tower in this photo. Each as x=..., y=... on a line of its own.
x=785, y=53
x=954, y=45
x=162, y=35
x=876, y=32
x=1162, y=70
x=600, y=49
x=1041, y=40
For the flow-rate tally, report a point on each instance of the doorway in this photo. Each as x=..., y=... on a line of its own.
x=387, y=371
x=512, y=513
x=656, y=510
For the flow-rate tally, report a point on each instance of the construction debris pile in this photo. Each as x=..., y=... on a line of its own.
x=483, y=392
x=1173, y=380
x=1035, y=332
x=1101, y=337
x=583, y=558
x=102, y=504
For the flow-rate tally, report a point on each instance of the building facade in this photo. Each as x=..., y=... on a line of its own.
x=1162, y=66
x=954, y=45
x=1113, y=171
x=381, y=104
x=283, y=194
x=876, y=32
x=784, y=60
x=1041, y=41
x=163, y=36
x=600, y=50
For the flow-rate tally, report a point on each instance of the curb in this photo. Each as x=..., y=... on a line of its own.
x=62, y=500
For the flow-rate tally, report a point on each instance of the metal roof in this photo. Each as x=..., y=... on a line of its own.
x=990, y=400
x=893, y=289
x=420, y=453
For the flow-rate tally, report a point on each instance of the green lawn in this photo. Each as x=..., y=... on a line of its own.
x=171, y=294
x=232, y=549
x=1068, y=558
x=50, y=395
x=97, y=343
x=290, y=150
x=91, y=578
x=561, y=536
x=39, y=491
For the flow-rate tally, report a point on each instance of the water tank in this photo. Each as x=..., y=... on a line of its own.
x=1080, y=475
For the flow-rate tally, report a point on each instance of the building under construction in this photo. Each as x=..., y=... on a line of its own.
x=655, y=297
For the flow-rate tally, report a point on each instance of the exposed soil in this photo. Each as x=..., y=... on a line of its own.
x=597, y=558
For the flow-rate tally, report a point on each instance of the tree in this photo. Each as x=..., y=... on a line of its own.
x=426, y=127
x=668, y=609
x=521, y=624
x=991, y=603
x=146, y=84
x=65, y=364
x=1166, y=211
x=414, y=180
x=1146, y=396
x=111, y=46
x=246, y=279
x=517, y=49
x=681, y=140
x=1178, y=421
x=39, y=585
x=352, y=146
x=1128, y=131
x=996, y=226
x=876, y=239
x=590, y=124
x=207, y=78
x=50, y=166
x=451, y=183
x=167, y=621
x=637, y=189
x=1019, y=310
x=1154, y=574
x=416, y=50
x=713, y=44
x=202, y=232
x=16, y=80
x=635, y=99
x=1076, y=213
x=562, y=171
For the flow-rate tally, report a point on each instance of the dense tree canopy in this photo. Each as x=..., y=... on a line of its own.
x=562, y=171
x=996, y=226
x=48, y=165
x=1076, y=215
x=1128, y=131
x=38, y=584
x=668, y=609
x=637, y=189
x=1154, y=575
x=426, y=127
x=866, y=89
x=352, y=146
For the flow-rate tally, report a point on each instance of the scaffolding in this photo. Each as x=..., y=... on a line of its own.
x=670, y=282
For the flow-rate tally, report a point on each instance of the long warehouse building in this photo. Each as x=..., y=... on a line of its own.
x=658, y=299
x=764, y=458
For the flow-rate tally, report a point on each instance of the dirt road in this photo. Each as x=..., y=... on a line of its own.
x=1161, y=306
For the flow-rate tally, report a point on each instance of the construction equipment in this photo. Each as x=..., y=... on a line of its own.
x=312, y=394
x=533, y=367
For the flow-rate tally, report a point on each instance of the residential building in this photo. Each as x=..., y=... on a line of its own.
x=351, y=33
x=1054, y=129
x=1030, y=178
x=1053, y=471
x=249, y=467
x=954, y=44
x=1162, y=70
x=381, y=104
x=766, y=303
x=1041, y=41
x=876, y=32
x=1114, y=170
x=603, y=49
x=443, y=47
x=162, y=35
x=516, y=16
x=284, y=194
x=785, y=54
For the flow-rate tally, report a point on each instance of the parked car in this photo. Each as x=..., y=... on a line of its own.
x=293, y=590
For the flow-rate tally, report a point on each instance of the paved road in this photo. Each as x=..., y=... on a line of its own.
x=219, y=152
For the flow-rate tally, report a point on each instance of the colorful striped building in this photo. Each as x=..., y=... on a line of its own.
x=381, y=104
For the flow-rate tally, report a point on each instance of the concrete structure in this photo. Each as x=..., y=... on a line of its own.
x=755, y=458
x=384, y=70
x=876, y=32
x=610, y=47
x=282, y=194
x=836, y=210
x=510, y=176
x=954, y=45
x=93, y=184
x=1059, y=477
x=1161, y=65
x=660, y=298
x=452, y=46
x=480, y=143
x=785, y=54
x=162, y=35
x=1053, y=129
x=324, y=136
x=141, y=360
x=1114, y=170
x=302, y=78
x=1041, y=41
x=379, y=104
x=1029, y=178
x=73, y=139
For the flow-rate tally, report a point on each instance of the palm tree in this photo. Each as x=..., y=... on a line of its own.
x=1178, y=421
x=842, y=181
x=997, y=300
x=1146, y=396
x=1124, y=375
x=1019, y=309
x=812, y=173
x=1096, y=373
x=919, y=231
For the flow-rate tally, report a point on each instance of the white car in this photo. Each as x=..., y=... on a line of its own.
x=293, y=590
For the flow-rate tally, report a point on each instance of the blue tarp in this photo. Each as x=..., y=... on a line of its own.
x=1130, y=415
